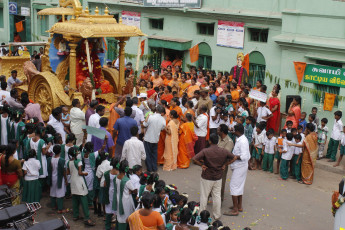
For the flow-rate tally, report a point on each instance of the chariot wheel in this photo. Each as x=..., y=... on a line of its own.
x=46, y=90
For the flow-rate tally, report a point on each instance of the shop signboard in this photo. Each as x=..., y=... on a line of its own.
x=25, y=11
x=324, y=75
x=131, y=18
x=12, y=8
x=173, y=3
x=230, y=34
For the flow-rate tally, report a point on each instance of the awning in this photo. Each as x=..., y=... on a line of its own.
x=334, y=58
x=154, y=17
x=169, y=43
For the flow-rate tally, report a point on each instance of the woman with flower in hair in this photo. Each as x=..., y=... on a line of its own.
x=123, y=203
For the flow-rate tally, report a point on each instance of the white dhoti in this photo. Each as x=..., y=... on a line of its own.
x=238, y=179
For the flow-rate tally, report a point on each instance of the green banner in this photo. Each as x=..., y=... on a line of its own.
x=324, y=75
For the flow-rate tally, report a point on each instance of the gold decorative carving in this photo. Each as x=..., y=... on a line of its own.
x=30, y=70
x=62, y=70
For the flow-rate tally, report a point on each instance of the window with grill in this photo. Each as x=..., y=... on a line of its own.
x=258, y=35
x=205, y=28
x=157, y=23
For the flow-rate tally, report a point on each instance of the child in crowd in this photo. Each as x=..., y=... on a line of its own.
x=171, y=218
x=300, y=132
x=135, y=176
x=314, y=111
x=102, y=165
x=322, y=136
x=263, y=113
x=268, y=151
x=289, y=126
x=258, y=140
x=286, y=156
x=296, y=159
x=335, y=137
x=57, y=180
x=203, y=220
x=311, y=119
x=341, y=147
x=281, y=144
x=302, y=122
x=248, y=129
x=65, y=119
x=32, y=187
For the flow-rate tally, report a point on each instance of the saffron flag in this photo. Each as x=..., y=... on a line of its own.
x=19, y=26
x=142, y=47
x=194, y=53
x=245, y=63
x=299, y=68
x=328, y=103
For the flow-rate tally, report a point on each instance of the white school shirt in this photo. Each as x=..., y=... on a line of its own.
x=303, y=136
x=32, y=168
x=269, y=145
x=298, y=150
x=227, y=122
x=34, y=145
x=201, y=120
x=59, y=128
x=139, y=117
x=241, y=149
x=263, y=112
x=289, y=151
x=288, y=130
x=135, y=181
x=102, y=168
x=214, y=124
x=4, y=140
x=3, y=95
x=133, y=151
x=259, y=139
x=93, y=122
x=337, y=130
x=342, y=140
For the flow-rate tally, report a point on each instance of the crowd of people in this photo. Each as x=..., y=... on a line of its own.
x=175, y=119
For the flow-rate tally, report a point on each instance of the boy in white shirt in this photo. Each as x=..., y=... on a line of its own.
x=287, y=154
x=280, y=145
x=258, y=140
x=263, y=113
x=289, y=125
x=341, y=147
x=335, y=137
x=296, y=159
x=322, y=133
x=300, y=132
x=269, y=150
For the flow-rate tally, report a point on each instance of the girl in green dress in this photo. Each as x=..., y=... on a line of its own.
x=32, y=190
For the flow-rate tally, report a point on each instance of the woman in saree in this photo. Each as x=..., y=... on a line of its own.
x=186, y=143
x=274, y=106
x=183, y=84
x=191, y=89
x=11, y=171
x=294, y=113
x=310, y=152
x=235, y=95
x=162, y=136
x=145, y=218
x=167, y=96
x=171, y=143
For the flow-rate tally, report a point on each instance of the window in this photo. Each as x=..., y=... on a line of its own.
x=258, y=35
x=328, y=89
x=157, y=23
x=205, y=28
x=205, y=61
x=1, y=17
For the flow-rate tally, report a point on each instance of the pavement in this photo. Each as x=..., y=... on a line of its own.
x=268, y=203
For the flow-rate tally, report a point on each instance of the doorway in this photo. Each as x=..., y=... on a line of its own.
x=257, y=67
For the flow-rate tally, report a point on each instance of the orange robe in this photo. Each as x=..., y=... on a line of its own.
x=191, y=89
x=189, y=111
x=167, y=97
x=166, y=81
x=113, y=116
x=161, y=142
x=178, y=110
x=183, y=87
x=235, y=96
x=171, y=147
x=145, y=76
x=186, y=145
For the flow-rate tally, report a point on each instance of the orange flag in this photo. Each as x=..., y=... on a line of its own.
x=194, y=53
x=328, y=103
x=245, y=63
x=142, y=47
x=300, y=67
x=19, y=26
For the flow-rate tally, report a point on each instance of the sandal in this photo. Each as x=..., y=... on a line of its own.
x=89, y=223
x=240, y=210
x=231, y=213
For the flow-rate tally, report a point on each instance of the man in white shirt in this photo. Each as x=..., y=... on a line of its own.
x=239, y=167
x=133, y=149
x=263, y=113
x=335, y=137
x=56, y=123
x=139, y=115
x=154, y=124
x=201, y=123
x=3, y=92
x=77, y=121
x=215, y=120
x=94, y=119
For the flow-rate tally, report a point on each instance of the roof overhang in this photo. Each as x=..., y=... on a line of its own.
x=169, y=43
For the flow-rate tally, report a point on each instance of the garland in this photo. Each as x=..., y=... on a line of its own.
x=337, y=205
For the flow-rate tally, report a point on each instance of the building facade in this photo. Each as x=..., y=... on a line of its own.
x=276, y=33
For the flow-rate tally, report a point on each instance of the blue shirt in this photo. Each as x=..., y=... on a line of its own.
x=303, y=124
x=213, y=98
x=123, y=125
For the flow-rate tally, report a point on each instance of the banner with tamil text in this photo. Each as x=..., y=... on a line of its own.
x=324, y=75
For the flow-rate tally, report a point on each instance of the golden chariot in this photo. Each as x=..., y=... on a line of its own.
x=48, y=87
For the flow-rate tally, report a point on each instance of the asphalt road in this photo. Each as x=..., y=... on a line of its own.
x=268, y=203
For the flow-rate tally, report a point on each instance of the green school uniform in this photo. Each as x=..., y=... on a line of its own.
x=284, y=169
x=267, y=162
x=41, y=143
x=256, y=154
x=7, y=128
x=20, y=137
